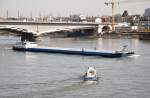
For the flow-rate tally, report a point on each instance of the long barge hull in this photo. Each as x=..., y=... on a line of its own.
x=73, y=51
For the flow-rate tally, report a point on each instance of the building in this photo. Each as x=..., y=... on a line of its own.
x=145, y=20
x=2, y=19
x=75, y=18
x=147, y=12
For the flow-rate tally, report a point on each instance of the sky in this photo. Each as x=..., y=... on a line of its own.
x=67, y=7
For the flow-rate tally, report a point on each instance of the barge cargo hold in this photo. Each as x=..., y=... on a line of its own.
x=27, y=46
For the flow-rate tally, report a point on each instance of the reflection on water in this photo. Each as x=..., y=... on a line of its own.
x=46, y=75
x=31, y=58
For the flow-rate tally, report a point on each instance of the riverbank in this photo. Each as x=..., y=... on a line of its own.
x=119, y=35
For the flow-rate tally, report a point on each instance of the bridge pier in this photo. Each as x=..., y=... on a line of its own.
x=28, y=36
x=104, y=28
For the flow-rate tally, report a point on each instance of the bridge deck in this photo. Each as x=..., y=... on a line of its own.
x=48, y=23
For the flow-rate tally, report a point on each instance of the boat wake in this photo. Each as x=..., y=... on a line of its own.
x=134, y=56
x=8, y=48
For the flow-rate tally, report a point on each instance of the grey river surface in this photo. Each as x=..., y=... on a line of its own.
x=46, y=75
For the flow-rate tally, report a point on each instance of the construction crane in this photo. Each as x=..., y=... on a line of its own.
x=113, y=3
x=113, y=11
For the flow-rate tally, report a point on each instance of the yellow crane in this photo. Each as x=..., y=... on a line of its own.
x=113, y=3
x=113, y=11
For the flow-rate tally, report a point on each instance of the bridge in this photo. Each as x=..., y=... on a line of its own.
x=42, y=28
x=48, y=23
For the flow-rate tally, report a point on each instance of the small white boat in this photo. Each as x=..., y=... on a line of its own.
x=90, y=75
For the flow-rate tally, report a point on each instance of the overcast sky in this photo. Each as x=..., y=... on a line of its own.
x=67, y=7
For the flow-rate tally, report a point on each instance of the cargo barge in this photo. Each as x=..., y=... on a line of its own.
x=28, y=46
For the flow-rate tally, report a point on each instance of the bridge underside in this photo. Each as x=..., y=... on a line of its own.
x=30, y=32
x=78, y=32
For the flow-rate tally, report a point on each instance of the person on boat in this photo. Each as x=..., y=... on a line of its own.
x=82, y=49
x=124, y=48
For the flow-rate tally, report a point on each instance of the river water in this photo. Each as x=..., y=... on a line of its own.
x=46, y=75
